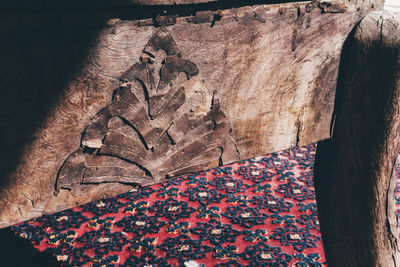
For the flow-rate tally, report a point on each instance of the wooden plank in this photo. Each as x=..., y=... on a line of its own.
x=159, y=6
x=154, y=4
x=170, y=2
x=354, y=172
x=146, y=100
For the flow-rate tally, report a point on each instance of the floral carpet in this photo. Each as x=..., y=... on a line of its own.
x=257, y=212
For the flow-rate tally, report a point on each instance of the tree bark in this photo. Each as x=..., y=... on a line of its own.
x=353, y=171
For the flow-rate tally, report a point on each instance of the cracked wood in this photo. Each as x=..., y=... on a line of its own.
x=169, y=129
x=354, y=172
x=220, y=85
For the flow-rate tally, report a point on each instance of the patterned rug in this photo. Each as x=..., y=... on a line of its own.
x=257, y=212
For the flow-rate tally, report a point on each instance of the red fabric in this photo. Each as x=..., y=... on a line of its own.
x=258, y=212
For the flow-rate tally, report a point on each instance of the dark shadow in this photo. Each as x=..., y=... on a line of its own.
x=326, y=153
x=342, y=77
x=38, y=57
x=18, y=252
x=326, y=150
x=107, y=4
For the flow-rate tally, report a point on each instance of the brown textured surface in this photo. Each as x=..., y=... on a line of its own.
x=269, y=71
x=155, y=127
x=170, y=2
x=154, y=4
x=354, y=179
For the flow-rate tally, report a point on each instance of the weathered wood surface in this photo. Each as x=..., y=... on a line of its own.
x=354, y=180
x=154, y=4
x=170, y=2
x=163, y=96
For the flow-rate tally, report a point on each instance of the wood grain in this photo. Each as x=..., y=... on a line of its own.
x=268, y=71
x=155, y=127
x=354, y=172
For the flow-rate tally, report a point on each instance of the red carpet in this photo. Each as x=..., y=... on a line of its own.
x=259, y=212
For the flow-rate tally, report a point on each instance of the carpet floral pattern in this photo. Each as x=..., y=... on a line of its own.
x=257, y=212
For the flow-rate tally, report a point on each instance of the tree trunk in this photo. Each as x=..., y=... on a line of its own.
x=353, y=171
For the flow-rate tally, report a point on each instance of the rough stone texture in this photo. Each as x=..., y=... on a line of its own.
x=266, y=73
